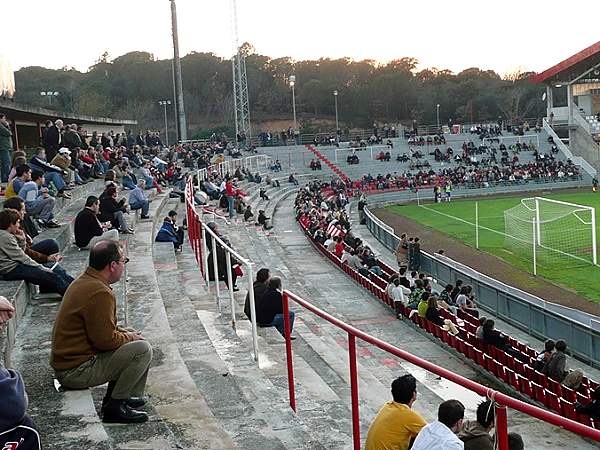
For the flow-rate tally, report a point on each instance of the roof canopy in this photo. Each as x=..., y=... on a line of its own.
x=572, y=67
x=20, y=111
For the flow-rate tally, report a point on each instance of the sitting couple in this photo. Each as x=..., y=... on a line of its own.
x=268, y=302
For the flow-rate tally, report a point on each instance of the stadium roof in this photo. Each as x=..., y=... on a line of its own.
x=20, y=111
x=570, y=68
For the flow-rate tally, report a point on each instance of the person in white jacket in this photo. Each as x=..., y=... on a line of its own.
x=441, y=434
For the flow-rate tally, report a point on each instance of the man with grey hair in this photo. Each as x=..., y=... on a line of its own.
x=53, y=139
x=139, y=200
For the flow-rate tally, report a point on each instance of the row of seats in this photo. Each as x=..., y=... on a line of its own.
x=521, y=377
x=326, y=160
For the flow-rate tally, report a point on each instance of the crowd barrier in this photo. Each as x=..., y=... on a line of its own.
x=539, y=318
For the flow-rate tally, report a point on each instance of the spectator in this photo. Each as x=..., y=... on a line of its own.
x=479, y=329
x=22, y=176
x=456, y=290
x=113, y=211
x=441, y=434
x=5, y=148
x=543, y=357
x=556, y=368
x=423, y=304
x=52, y=174
x=90, y=349
x=259, y=287
x=491, y=336
x=53, y=139
x=170, y=232
x=248, y=214
x=63, y=161
x=399, y=294
x=221, y=260
x=396, y=424
x=292, y=179
x=433, y=314
x=476, y=433
x=230, y=193
x=591, y=408
x=263, y=194
x=269, y=309
x=465, y=301
x=339, y=246
x=138, y=200
x=515, y=441
x=88, y=229
x=15, y=264
x=43, y=251
x=401, y=251
x=38, y=202
x=16, y=427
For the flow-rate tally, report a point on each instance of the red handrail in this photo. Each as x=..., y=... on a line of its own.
x=502, y=400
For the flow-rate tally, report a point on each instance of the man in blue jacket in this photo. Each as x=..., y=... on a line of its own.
x=16, y=427
x=170, y=232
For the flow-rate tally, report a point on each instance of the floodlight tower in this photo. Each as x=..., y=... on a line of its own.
x=181, y=122
x=240, y=82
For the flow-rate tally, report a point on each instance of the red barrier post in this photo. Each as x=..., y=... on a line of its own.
x=288, y=349
x=354, y=390
x=501, y=427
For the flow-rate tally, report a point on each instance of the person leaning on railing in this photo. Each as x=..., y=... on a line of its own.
x=269, y=308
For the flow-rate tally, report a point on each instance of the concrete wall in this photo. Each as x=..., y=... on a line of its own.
x=581, y=144
x=584, y=102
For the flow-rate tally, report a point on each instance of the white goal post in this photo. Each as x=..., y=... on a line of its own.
x=551, y=231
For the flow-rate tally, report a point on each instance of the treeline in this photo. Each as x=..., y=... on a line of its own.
x=131, y=85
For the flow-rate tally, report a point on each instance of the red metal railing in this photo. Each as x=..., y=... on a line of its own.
x=193, y=224
x=501, y=400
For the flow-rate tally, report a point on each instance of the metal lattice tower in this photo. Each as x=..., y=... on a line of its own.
x=240, y=82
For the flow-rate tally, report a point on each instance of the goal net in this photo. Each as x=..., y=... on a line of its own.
x=551, y=233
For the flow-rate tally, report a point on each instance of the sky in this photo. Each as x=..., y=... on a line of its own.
x=499, y=35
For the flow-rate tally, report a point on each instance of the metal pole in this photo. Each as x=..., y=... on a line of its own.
x=216, y=271
x=337, y=124
x=294, y=107
x=253, y=312
x=230, y=288
x=594, y=249
x=354, y=390
x=477, y=225
x=438, y=117
x=178, y=81
x=534, y=251
x=166, y=125
x=288, y=350
x=501, y=427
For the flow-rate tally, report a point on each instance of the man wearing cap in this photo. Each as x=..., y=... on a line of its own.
x=63, y=160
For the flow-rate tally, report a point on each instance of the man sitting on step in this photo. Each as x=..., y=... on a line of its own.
x=170, y=232
x=42, y=251
x=269, y=308
x=90, y=349
x=88, y=229
x=15, y=264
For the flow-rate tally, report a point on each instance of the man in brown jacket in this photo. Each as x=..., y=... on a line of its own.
x=90, y=349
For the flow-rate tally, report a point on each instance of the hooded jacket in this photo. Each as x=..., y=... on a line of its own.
x=475, y=436
x=13, y=400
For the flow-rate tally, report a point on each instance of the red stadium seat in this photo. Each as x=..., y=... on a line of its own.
x=525, y=386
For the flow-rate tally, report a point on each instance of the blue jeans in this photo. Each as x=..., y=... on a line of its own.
x=144, y=205
x=56, y=281
x=230, y=201
x=4, y=165
x=128, y=183
x=47, y=247
x=55, y=178
x=278, y=323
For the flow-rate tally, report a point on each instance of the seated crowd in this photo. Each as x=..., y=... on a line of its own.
x=320, y=211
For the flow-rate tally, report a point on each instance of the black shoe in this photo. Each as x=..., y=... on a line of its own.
x=51, y=224
x=118, y=411
x=145, y=216
x=132, y=402
x=236, y=289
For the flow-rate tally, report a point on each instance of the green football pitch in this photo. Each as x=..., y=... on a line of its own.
x=457, y=219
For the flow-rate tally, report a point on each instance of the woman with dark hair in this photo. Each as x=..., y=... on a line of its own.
x=491, y=336
x=433, y=315
x=113, y=210
x=269, y=309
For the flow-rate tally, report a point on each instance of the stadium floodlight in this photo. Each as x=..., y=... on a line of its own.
x=551, y=233
x=292, y=85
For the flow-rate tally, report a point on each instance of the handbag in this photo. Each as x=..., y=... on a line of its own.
x=238, y=270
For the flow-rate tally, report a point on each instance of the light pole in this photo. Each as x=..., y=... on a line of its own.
x=292, y=84
x=49, y=95
x=337, y=124
x=438, y=117
x=164, y=104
